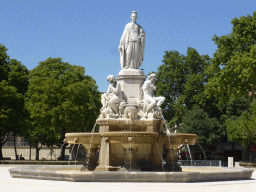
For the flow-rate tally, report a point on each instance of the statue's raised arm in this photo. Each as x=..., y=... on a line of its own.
x=132, y=45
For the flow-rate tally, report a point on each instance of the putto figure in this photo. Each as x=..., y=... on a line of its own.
x=132, y=45
x=112, y=99
x=147, y=94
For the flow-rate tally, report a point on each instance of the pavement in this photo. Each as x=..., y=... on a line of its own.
x=9, y=184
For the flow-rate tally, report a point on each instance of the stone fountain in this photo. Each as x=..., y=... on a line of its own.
x=132, y=131
x=131, y=125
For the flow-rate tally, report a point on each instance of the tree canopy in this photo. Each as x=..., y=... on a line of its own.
x=234, y=63
x=209, y=130
x=61, y=98
x=181, y=80
x=242, y=129
x=13, y=87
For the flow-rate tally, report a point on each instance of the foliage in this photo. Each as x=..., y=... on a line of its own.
x=181, y=80
x=197, y=121
x=8, y=100
x=236, y=107
x=233, y=66
x=13, y=86
x=242, y=129
x=61, y=99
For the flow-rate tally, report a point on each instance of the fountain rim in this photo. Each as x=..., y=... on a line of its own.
x=57, y=172
x=126, y=133
x=112, y=134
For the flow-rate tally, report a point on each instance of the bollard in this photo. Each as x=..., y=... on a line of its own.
x=237, y=164
x=230, y=162
x=219, y=163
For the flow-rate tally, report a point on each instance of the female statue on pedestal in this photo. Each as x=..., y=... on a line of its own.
x=132, y=45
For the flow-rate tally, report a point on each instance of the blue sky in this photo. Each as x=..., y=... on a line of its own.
x=87, y=33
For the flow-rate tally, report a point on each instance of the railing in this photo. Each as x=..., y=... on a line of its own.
x=247, y=164
x=200, y=163
x=31, y=162
x=18, y=144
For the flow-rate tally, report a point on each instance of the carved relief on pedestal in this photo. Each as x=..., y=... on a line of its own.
x=130, y=112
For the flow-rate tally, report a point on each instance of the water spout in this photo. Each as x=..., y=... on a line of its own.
x=89, y=151
x=189, y=153
x=203, y=151
x=160, y=155
x=70, y=155
x=77, y=152
x=168, y=133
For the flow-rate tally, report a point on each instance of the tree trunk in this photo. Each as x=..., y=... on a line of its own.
x=63, y=147
x=1, y=154
x=3, y=140
x=15, y=148
x=37, y=151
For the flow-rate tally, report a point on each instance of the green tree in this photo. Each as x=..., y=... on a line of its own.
x=61, y=99
x=8, y=112
x=242, y=129
x=233, y=65
x=42, y=135
x=14, y=83
x=181, y=80
x=197, y=121
x=236, y=107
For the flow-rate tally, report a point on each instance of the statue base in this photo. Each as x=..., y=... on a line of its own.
x=131, y=81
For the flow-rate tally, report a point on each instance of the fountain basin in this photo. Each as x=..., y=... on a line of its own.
x=141, y=149
x=77, y=173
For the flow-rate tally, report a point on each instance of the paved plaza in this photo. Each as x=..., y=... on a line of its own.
x=9, y=184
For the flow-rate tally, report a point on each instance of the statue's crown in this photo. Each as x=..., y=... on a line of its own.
x=134, y=13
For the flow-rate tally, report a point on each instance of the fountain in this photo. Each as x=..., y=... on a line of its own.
x=131, y=133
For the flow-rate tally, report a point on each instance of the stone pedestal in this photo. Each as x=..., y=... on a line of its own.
x=131, y=81
x=127, y=125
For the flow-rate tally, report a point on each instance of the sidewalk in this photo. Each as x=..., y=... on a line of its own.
x=7, y=183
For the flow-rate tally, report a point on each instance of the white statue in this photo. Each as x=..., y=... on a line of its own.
x=146, y=94
x=112, y=99
x=132, y=45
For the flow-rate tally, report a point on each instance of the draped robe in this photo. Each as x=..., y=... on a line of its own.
x=133, y=45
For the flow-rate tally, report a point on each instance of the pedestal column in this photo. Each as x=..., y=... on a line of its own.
x=104, y=155
x=131, y=81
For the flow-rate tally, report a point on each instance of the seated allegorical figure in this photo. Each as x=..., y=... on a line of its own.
x=113, y=97
x=146, y=95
